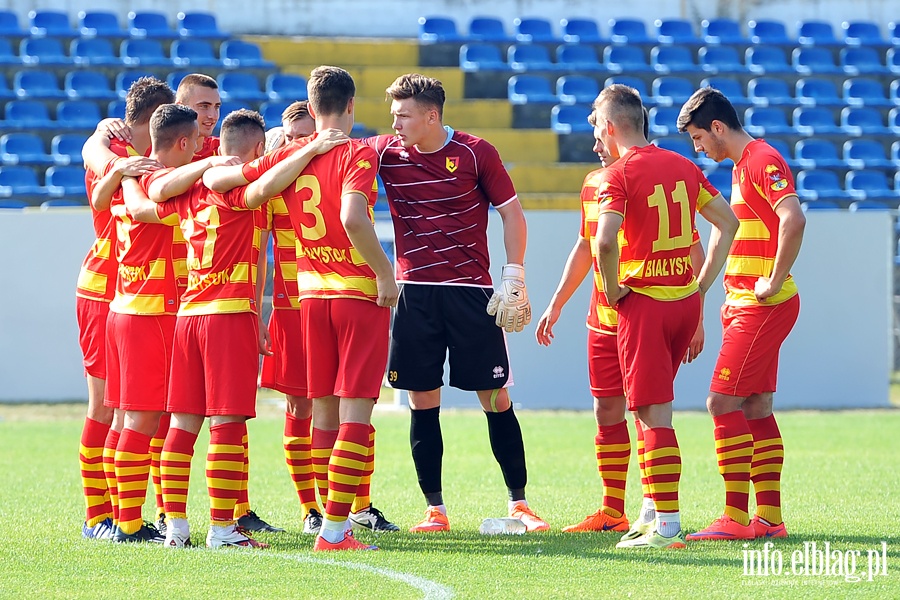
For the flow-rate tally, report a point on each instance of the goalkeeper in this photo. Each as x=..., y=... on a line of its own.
x=440, y=184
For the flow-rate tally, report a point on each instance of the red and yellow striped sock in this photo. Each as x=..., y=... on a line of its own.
x=156, y=444
x=298, y=456
x=225, y=470
x=765, y=470
x=93, y=478
x=109, y=470
x=364, y=490
x=322, y=444
x=734, y=451
x=175, y=471
x=345, y=469
x=663, y=464
x=613, y=453
x=642, y=466
x=243, y=503
x=132, y=470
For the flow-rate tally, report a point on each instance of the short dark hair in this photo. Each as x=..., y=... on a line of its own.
x=705, y=106
x=622, y=105
x=241, y=130
x=330, y=90
x=426, y=91
x=296, y=111
x=191, y=80
x=592, y=119
x=144, y=96
x=169, y=123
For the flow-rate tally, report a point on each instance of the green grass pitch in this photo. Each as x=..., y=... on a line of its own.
x=840, y=486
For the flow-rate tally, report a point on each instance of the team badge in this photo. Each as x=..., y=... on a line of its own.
x=452, y=163
x=777, y=179
x=742, y=176
x=364, y=164
x=725, y=374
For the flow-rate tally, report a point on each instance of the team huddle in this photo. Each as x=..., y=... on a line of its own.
x=169, y=306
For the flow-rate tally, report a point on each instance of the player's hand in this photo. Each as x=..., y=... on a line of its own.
x=510, y=302
x=265, y=342
x=617, y=294
x=388, y=292
x=135, y=166
x=328, y=139
x=224, y=161
x=274, y=139
x=115, y=128
x=765, y=289
x=696, y=345
x=544, y=332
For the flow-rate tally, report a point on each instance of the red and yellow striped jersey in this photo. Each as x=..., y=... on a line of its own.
x=328, y=266
x=657, y=192
x=223, y=238
x=96, y=280
x=760, y=181
x=284, y=278
x=209, y=148
x=146, y=281
x=601, y=317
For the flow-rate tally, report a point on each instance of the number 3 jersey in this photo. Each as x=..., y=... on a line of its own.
x=657, y=192
x=328, y=266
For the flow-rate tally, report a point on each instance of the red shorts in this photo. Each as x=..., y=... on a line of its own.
x=604, y=371
x=653, y=337
x=215, y=365
x=91, y=316
x=349, y=342
x=751, y=339
x=285, y=370
x=139, y=355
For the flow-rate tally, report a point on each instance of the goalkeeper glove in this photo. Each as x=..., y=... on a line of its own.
x=510, y=302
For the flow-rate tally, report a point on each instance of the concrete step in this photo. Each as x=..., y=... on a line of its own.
x=556, y=178
x=372, y=81
x=340, y=52
x=536, y=201
x=460, y=114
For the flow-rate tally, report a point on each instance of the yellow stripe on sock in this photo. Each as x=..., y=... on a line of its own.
x=662, y=470
x=731, y=441
x=650, y=455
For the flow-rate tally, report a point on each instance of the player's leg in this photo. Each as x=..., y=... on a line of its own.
x=111, y=402
x=363, y=514
x=156, y=444
x=647, y=517
x=298, y=457
x=766, y=466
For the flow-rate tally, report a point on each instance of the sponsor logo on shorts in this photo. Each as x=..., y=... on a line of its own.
x=725, y=374
x=498, y=372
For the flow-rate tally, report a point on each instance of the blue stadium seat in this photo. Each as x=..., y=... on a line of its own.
x=286, y=86
x=27, y=114
x=51, y=23
x=9, y=25
x=77, y=114
x=627, y=59
x=23, y=149
x=116, y=109
x=534, y=30
x=862, y=120
x=43, y=51
x=240, y=86
x=240, y=54
x=894, y=33
x=629, y=31
x=12, y=204
x=720, y=178
x=229, y=107
x=144, y=53
x=100, y=24
x=529, y=57
x=814, y=61
x=7, y=55
x=892, y=58
x=722, y=31
x=679, y=145
x=65, y=148
x=817, y=33
x=672, y=59
x=732, y=89
x=584, y=31
x=271, y=111
x=199, y=24
x=20, y=181
x=671, y=91
x=481, y=57
x=663, y=120
x=862, y=91
x=65, y=181
x=93, y=52
x=37, y=84
x=570, y=118
x=862, y=61
x=125, y=78
x=761, y=121
x=438, y=29
x=817, y=91
x=894, y=92
x=866, y=154
x=720, y=60
x=488, y=29
x=194, y=53
x=770, y=91
x=676, y=31
x=817, y=154
x=579, y=58
x=63, y=202
x=526, y=89
x=785, y=150
x=869, y=184
x=88, y=85
x=817, y=205
x=175, y=77
x=6, y=93
x=820, y=184
x=766, y=60
x=150, y=24
x=635, y=82
x=866, y=205
x=815, y=120
x=769, y=32
x=863, y=33
x=577, y=89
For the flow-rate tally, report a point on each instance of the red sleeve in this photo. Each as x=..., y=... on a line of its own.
x=149, y=178
x=611, y=192
x=771, y=177
x=170, y=211
x=362, y=166
x=254, y=169
x=493, y=179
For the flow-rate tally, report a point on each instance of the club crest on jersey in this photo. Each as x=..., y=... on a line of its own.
x=404, y=155
x=777, y=179
x=452, y=163
x=364, y=164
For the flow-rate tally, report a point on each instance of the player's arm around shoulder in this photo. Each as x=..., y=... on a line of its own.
x=138, y=205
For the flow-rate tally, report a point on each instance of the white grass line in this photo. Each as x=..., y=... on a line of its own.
x=431, y=589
